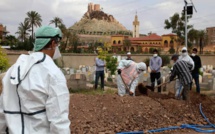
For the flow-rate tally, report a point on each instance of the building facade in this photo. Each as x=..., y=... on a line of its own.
x=211, y=35
x=143, y=44
x=3, y=32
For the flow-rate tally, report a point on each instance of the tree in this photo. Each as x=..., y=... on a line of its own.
x=199, y=37
x=10, y=40
x=74, y=42
x=171, y=50
x=23, y=30
x=177, y=24
x=4, y=62
x=202, y=39
x=34, y=19
x=57, y=21
x=127, y=44
x=66, y=35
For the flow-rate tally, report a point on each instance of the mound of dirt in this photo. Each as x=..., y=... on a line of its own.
x=108, y=114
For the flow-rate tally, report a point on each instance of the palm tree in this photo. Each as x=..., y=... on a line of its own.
x=56, y=21
x=66, y=35
x=34, y=19
x=23, y=30
x=202, y=39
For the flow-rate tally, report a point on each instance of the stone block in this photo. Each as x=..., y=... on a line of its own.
x=207, y=77
x=204, y=86
x=77, y=82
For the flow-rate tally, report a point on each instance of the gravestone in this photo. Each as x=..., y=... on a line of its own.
x=77, y=82
x=92, y=76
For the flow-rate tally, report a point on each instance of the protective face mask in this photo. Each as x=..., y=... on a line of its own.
x=155, y=55
x=57, y=53
x=184, y=54
x=193, y=54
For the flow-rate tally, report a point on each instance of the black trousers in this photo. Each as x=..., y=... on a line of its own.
x=101, y=75
x=156, y=76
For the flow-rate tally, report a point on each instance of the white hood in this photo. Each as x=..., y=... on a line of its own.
x=23, y=65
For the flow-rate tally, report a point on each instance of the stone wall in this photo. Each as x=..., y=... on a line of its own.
x=74, y=60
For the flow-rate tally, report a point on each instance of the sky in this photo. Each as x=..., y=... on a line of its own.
x=151, y=13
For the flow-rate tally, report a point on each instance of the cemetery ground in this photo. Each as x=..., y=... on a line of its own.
x=104, y=112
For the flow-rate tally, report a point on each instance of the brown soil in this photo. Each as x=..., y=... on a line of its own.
x=108, y=114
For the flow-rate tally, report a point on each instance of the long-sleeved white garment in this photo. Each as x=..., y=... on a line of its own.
x=35, y=97
x=133, y=78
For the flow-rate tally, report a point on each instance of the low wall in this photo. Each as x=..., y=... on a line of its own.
x=74, y=60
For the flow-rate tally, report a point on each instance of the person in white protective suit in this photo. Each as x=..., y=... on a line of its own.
x=185, y=57
x=35, y=97
x=128, y=76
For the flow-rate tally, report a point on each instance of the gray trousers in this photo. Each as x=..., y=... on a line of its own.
x=186, y=92
x=183, y=90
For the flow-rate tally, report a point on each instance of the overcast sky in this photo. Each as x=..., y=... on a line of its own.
x=151, y=13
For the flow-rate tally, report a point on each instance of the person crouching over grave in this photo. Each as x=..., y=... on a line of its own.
x=128, y=76
x=182, y=70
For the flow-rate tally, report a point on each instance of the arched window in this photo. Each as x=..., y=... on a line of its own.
x=124, y=49
x=165, y=43
x=114, y=42
x=132, y=49
x=119, y=42
x=171, y=43
x=146, y=50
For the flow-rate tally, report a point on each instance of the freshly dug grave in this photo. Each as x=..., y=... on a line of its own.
x=109, y=113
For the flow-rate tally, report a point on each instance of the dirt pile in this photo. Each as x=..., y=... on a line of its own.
x=110, y=113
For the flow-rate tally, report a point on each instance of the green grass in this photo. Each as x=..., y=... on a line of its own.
x=93, y=91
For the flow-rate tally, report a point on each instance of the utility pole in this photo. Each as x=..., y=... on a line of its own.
x=185, y=22
x=188, y=10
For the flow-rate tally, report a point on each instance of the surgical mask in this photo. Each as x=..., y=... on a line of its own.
x=184, y=54
x=57, y=53
x=193, y=54
x=155, y=55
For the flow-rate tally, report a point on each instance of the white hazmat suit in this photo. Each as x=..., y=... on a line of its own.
x=35, y=97
x=130, y=74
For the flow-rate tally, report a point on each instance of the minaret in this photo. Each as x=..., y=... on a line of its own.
x=136, y=25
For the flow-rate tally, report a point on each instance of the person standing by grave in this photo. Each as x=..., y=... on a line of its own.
x=129, y=56
x=197, y=68
x=35, y=98
x=100, y=65
x=155, y=64
x=185, y=57
x=183, y=70
x=128, y=76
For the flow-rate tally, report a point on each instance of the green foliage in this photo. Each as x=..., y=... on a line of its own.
x=146, y=61
x=57, y=21
x=151, y=49
x=177, y=24
x=34, y=19
x=165, y=60
x=127, y=43
x=26, y=45
x=4, y=62
x=171, y=50
x=74, y=42
x=111, y=64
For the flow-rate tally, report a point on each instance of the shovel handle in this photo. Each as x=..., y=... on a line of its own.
x=164, y=83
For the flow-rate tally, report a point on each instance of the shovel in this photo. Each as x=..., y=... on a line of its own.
x=152, y=88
